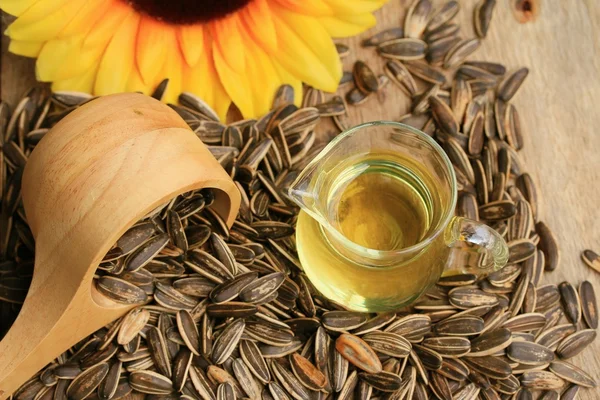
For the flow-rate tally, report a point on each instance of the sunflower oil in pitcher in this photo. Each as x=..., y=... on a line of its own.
x=379, y=203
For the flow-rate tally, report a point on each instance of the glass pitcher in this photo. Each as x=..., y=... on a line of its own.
x=377, y=225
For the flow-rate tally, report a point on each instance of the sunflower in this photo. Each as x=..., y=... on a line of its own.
x=220, y=50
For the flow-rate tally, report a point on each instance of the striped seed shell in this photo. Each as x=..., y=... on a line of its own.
x=575, y=343
x=307, y=373
x=490, y=342
x=448, y=346
x=529, y=353
x=227, y=341
x=253, y=358
x=384, y=381
x=358, y=353
x=388, y=343
x=86, y=382
x=570, y=302
x=541, y=380
x=589, y=307
x=571, y=373
x=150, y=382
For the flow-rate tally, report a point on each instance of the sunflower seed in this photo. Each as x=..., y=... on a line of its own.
x=86, y=382
x=571, y=373
x=384, y=381
x=497, y=210
x=388, y=343
x=403, y=49
x=493, y=367
x=547, y=296
x=214, y=374
x=307, y=373
x=411, y=326
x=342, y=321
x=289, y=381
x=120, y=290
x=262, y=288
x=425, y=72
x=417, y=18
x=364, y=78
x=465, y=298
x=348, y=389
x=355, y=97
x=383, y=36
x=570, y=393
x=570, y=302
x=225, y=392
x=443, y=15
x=541, y=380
x=591, y=259
x=575, y=343
x=548, y=246
x=461, y=51
x=188, y=331
x=246, y=379
x=529, y=353
x=439, y=386
x=358, y=353
x=158, y=350
x=363, y=391
x=466, y=325
x=181, y=368
x=512, y=83
x=443, y=115
x=227, y=341
x=490, y=342
x=150, y=382
x=483, y=16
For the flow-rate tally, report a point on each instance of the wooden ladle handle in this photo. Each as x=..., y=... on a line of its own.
x=97, y=172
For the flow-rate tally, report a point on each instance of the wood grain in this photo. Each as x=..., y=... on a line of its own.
x=95, y=174
x=558, y=108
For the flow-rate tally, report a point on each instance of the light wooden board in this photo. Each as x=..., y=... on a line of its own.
x=558, y=105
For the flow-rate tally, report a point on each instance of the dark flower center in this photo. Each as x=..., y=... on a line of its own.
x=187, y=12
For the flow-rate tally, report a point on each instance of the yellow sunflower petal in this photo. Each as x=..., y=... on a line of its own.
x=308, y=7
x=348, y=25
x=287, y=77
x=135, y=83
x=202, y=79
x=51, y=60
x=307, y=50
x=76, y=58
x=173, y=70
x=153, y=39
x=118, y=59
x=25, y=48
x=16, y=7
x=35, y=27
x=86, y=18
x=227, y=38
x=353, y=7
x=236, y=84
x=258, y=22
x=189, y=36
x=80, y=83
x=104, y=29
x=263, y=78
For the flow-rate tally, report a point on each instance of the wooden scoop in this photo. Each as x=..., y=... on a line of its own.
x=95, y=174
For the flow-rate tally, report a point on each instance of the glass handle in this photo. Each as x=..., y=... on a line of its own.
x=476, y=248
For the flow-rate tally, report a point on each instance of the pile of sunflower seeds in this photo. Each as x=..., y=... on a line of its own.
x=227, y=313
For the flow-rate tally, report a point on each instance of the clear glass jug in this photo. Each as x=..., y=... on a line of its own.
x=377, y=225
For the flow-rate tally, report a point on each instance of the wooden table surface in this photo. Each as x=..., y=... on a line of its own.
x=558, y=105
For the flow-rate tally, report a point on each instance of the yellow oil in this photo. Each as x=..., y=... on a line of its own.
x=385, y=203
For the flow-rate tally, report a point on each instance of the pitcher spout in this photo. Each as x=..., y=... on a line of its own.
x=304, y=191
